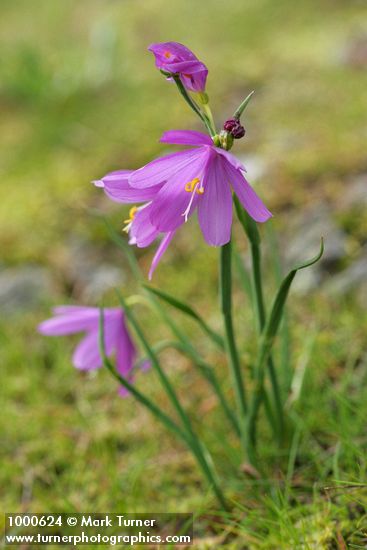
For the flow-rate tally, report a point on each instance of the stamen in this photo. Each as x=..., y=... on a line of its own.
x=192, y=187
x=167, y=54
x=128, y=222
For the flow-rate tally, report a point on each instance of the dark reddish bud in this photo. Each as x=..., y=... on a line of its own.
x=230, y=124
x=238, y=132
x=234, y=127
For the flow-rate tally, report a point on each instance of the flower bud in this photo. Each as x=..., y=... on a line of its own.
x=234, y=127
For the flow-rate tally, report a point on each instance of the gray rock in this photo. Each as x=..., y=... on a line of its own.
x=315, y=224
x=355, y=192
x=352, y=279
x=103, y=278
x=256, y=167
x=89, y=274
x=305, y=243
x=23, y=288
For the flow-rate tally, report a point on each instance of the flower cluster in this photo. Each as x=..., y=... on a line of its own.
x=199, y=179
x=165, y=193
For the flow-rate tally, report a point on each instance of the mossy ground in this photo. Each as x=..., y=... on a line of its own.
x=79, y=96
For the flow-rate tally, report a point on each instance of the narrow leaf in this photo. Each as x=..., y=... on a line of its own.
x=281, y=297
x=243, y=105
x=156, y=411
x=267, y=340
x=189, y=311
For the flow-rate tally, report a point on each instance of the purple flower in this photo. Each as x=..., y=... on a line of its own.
x=200, y=179
x=175, y=58
x=73, y=319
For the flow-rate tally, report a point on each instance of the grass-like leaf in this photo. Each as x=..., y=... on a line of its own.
x=189, y=311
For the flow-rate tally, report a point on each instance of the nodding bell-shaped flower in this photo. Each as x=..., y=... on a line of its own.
x=73, y=319
x=173, y=187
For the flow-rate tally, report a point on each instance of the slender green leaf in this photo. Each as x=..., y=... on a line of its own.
x=154, y=409
x=267, y=341
x=243, y=105
x=188, y=310
x=244, y=277
x=231, y=347
x=284, y=336
x=252, y=232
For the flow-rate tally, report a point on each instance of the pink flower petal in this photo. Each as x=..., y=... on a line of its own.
x=170, y=204
x=70, y=323
x=215, y=205
x=249, y=199
x=142, y=232
x=186, y=137
x=86, y=355
x=117, y=188
x=125, y=351
x=159, y=170
x=160, y=251
x=231, y=159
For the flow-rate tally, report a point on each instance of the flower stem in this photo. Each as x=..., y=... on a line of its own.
x=226, y=305
x=196, y=445
x=261, y=315
x=252, y=232
x=193, y=105
x=206, y=370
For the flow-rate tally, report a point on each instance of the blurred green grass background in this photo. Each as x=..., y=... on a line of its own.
x=79, y=96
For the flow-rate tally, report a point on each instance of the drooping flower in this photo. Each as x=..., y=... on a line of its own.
x=201, y=179
x=73, y=319
x=198, y=179
x=175, y=58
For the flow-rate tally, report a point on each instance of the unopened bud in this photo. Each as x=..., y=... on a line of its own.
x=234, y=127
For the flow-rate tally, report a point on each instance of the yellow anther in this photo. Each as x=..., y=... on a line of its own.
x=190, y=186
x=167, y=54
x=132, y=214
x=200, y=190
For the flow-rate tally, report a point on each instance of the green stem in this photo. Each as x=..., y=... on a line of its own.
x=205, y=369
x=210, y=117
x=196, y=446
x=226, y=305
x=261, y=315
x=252, y=232
x=193, y=105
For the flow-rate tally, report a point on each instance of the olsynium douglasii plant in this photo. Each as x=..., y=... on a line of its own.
x=208, y=179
